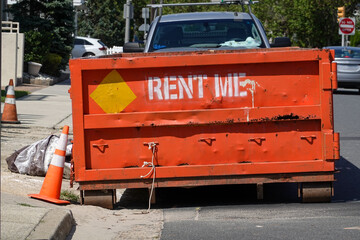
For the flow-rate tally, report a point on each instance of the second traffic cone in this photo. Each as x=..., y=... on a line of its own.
x=9, y=113
x=51, y=188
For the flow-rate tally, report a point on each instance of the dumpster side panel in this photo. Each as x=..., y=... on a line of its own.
x=208, y=87
x=237, y=113
x=206, y=144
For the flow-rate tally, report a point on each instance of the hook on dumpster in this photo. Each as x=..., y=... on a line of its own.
x=257, y=140
x=309, y=139
x=101, y=146
x=208, y=141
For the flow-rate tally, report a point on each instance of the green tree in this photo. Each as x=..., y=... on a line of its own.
x=309, y=23
x=48, y=26
x=314, y=23
x=138, y=20
x=355, y=39
x=199, y=8
x=37, y=46
x=103, y=20
x=28, y=13
x=60, y=14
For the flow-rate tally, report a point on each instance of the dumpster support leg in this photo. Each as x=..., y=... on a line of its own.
x=101, y=198
x=313, y=192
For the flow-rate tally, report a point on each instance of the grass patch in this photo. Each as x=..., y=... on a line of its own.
x=18, y=94
x=69, y=196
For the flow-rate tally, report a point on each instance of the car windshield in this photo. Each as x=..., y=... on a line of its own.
x=347, y=53
x=206, y=34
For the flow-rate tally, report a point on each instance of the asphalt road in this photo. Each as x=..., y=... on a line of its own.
x=232, y=212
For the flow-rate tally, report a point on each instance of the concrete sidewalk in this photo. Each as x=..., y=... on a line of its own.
x=26, y=218
x=48, y=107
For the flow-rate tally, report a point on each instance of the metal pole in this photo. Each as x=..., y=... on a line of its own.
x=127, y=21
x=145, y=24
x=346, y=40
x=342, y=40
x=161, y=9
x=1, y=16
x=76, y=22
x=152, y=12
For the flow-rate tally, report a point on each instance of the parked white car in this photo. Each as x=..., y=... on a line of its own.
x=88, y=47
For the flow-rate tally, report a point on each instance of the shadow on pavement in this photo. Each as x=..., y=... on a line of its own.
x=34, y=97
x=13, y=126
x=64, y=82
x=209, y=196
x=347, y=185
x=346, y=189
x=187, y=197
x=26, y=117
x=347, y=92
x=11, y=131
x=133, y=199
x=71, y=233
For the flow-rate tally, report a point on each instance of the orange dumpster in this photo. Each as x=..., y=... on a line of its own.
x=205, y=118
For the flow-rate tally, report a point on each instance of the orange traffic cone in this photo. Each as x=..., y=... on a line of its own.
x=50, y=190
x=9, y=114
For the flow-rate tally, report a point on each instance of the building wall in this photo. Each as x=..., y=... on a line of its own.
x=12, y=58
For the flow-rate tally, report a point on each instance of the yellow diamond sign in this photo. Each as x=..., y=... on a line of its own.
x=113, y=94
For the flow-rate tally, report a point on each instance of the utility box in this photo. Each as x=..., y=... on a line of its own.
x=185, y=119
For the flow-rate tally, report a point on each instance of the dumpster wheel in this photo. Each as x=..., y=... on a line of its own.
x=316, y=192
x=102, y=198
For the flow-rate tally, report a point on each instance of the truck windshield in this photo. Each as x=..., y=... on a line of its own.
x=218, y=33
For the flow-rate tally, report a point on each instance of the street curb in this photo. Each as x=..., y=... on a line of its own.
x=56, y=225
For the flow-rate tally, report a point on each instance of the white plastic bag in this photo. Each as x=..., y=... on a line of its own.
x=31, y=160
x=35, y=159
